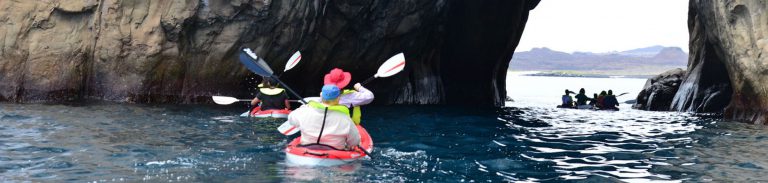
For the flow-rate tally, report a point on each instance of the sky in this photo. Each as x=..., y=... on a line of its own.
x=606, y=25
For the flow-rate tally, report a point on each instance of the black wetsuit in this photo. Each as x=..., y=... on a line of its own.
x=276, y=101
x=581, y=99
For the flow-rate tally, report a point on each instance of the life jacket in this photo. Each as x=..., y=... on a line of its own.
x=272, y=98
x=601, y=101
x=271, y=91
x=338, y=108
x=610, y=101
x=567, y=100
x=356, y=111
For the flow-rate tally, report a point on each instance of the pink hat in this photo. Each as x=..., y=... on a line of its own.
x=337, y=77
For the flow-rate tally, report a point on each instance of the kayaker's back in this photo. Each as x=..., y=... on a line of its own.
x=338, y=131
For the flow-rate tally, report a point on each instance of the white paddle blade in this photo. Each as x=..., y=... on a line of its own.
x=246, y=114
x=222, y=100
x=391, y=66
x=287, y=129
x=293, y=61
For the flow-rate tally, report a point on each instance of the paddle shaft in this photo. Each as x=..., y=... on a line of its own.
x=368, y=80
x=364, y=151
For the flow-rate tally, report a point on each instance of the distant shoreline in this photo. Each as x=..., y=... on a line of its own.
x=577, y=75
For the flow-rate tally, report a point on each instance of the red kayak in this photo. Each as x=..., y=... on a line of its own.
x=302, y=156
x=272, y=113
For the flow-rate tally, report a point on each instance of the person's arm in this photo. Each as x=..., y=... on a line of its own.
x=255, y=101
x=353, y=137
x=363, y=96
x=287, y=103
x=293, y=118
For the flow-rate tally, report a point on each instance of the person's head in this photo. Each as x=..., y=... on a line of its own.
x=595, y=95
x=337, y=77
x=330, y=94
x=267, y=82
x=581, y=91
x=610, y=92
x=602, y=93
x=567, y=92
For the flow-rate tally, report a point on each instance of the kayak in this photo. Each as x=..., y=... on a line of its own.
x=588, y=107
x=297, y=155
x=272, y=113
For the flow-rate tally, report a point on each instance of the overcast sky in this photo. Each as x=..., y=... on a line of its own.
x=606, y=25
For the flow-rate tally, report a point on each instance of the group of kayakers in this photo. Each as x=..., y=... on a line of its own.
x=329, y=122
x=605, y=100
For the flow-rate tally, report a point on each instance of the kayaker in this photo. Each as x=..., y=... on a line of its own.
x=593, y=100
x=326, y=123
x=581, y=98
x=567, y=100
x=354, y=98
x=270, y=97
x=601, y=99
x=610, y=101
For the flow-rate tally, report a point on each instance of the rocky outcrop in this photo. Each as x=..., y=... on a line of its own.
x=183, y=51
x=658, y=91
x=727, y=65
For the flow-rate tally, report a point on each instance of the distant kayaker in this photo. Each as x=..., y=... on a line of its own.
x=351, y=98
x=581, y=98
x=270, y=97
x=610, y=101
x=326, y=123
x=567, y=100
x=601, y=99
x=593, y=100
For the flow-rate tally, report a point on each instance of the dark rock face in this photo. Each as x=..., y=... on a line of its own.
x=185, y=51
x=727, y=67
x=658, y=91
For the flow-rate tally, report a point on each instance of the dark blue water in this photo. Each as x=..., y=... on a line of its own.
x=109, y=142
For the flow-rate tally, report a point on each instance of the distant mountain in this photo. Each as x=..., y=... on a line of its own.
x=548, y=59
x=647, y=51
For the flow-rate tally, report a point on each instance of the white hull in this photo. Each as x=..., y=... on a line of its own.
x=270, y=116
x=296, y=160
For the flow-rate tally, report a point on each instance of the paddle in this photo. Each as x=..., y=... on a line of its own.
x=225, y=100
x=622, y=94
x=293, y=61
x=392, y=66
x=258, y=66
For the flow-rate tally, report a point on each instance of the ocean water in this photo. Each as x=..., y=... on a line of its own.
x=527, y=141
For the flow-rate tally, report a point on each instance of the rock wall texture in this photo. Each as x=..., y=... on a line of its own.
x=182, y=51
x=728, y=66
x=658, y=92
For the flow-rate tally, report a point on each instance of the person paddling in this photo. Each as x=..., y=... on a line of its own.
x=351, y=98
x=326, y=123
x=610, y=101
x=270, y=97
x=567, y=100
x=581, y=98
x=601, y=99
x=593, y=100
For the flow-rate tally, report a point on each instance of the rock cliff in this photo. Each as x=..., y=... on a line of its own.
x=658, y=91
x=182, y=51
x=728, y=65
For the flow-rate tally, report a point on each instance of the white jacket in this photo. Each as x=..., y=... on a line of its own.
x=339, y=132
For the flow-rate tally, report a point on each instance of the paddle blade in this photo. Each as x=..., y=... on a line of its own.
x=391, y=66
x=287, y=129
x=255, y=63
x=246, y=114
x=222, y=100
x=293, y=61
